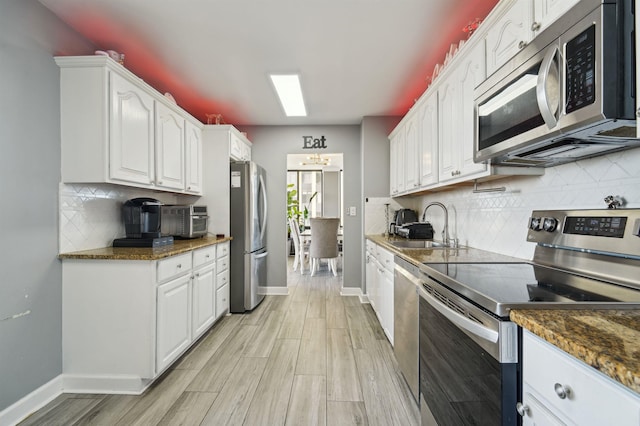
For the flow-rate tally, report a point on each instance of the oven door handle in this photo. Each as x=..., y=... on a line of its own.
x=461, y=321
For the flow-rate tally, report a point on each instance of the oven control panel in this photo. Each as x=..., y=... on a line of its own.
x=608, y=230
x=598, y=226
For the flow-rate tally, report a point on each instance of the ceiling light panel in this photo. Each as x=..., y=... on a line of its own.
x=290, y=93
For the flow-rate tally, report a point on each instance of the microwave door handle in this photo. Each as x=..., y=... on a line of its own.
x=541, y=88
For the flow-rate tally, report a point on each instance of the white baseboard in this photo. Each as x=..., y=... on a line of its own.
x=32, y=402
x=364, y=298
x=105, y=384
x=274, y=291
x=351, y=291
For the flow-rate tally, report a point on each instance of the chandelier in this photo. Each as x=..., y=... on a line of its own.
x=316, y=160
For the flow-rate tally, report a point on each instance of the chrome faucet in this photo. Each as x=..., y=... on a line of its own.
x=445, y=230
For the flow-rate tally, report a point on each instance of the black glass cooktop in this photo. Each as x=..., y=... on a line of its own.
x=500, y=287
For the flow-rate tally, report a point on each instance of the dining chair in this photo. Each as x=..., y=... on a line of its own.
x=300, y=248
x=324, y=242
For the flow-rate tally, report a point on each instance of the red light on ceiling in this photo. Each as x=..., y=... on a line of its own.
x=466, y=14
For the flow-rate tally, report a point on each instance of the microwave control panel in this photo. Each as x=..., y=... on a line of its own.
x=580, y=70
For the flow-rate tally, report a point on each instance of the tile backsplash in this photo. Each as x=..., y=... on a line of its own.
x=90, y=215
x=498, y=221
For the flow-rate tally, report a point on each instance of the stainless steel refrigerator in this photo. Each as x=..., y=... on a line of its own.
x=249, y=231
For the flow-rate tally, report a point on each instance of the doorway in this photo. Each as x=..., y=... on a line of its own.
x=314, y=189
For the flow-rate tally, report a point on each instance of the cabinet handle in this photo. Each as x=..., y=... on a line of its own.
x=189, y=188
x=522, y=44
x=206, y=256
x=563, y=391
x=535, y=26
x=522, y=409
x=198, y=275
x=179, y=265
x=159, y=182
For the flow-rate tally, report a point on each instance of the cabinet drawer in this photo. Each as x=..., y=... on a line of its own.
x=222, y=250
x=222, y=278
x=204, y=255
x=222, y=264
x=174, y=266
x=222, y=300
x=593, y=398
x=385, y=258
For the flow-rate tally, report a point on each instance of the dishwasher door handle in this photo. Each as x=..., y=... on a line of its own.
x=460, y=320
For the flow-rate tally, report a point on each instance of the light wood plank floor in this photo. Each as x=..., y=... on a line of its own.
x=310, y=358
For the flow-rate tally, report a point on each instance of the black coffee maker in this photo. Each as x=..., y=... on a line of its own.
x=142, y=219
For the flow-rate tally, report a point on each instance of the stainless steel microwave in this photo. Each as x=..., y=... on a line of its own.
x=568, y=95
x=184, y=221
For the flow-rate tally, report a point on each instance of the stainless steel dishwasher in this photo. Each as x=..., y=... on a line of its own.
x=405, y=324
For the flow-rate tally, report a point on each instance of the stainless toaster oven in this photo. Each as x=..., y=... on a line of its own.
x=184, y=221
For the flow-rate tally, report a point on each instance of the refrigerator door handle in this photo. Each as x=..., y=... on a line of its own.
x=261, y=255
x=263, y=189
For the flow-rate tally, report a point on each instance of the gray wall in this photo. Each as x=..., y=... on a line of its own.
x=271, y=144
x=30, y=288
x=375, y=154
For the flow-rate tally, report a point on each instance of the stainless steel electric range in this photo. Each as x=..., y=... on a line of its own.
x=469, y=370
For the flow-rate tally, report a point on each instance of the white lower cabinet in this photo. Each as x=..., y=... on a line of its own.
x=560, y=389
x=380, y=281
x=126, y=321
x=174, y=320
x=204, y=299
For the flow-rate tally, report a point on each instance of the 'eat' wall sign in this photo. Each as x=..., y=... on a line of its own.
x=309, y=142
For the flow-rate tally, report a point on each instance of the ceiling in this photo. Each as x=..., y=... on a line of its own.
x=356, y=58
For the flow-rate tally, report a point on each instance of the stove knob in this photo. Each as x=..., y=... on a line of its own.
x=535, y=224
x=549, y=224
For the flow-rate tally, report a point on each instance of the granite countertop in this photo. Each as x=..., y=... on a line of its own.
x=461, y=254
x=607, y=340
x=144, y=253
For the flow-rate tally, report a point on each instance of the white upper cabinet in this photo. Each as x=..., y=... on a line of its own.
x=447, y=131
x=170, y=148
x=117, y=129
x=132, y=141
x=470, y=73
x=412, y=153
x=428, y=118
x=547, y=11
x=239, y=147
x=393, y=164
x=194, y=159
x=509, y=35
x=456, y=119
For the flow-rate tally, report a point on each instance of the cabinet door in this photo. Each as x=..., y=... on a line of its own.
x=194, y=159
x=222, y=300
x=509, y=34
x=170, y=148
x=386, y=302
x=393, y=165
x=536, y=414
x=371, y=272
x=412, y=154
x=448, y=131
x=204, y=299
x=235, y=147
x=173, y=334
x=428, y=115
x=545, y=12
x=131, y=128
x=400, y=162
x=470, y=74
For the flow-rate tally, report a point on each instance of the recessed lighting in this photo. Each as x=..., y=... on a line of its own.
x=290, y=93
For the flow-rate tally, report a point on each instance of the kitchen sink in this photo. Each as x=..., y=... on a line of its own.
x=418, y=244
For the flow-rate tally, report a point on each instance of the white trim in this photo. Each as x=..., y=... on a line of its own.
x=32, y=402
x=351, y=291
x=364, y=298
x=274, y=291
x=107, y=384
